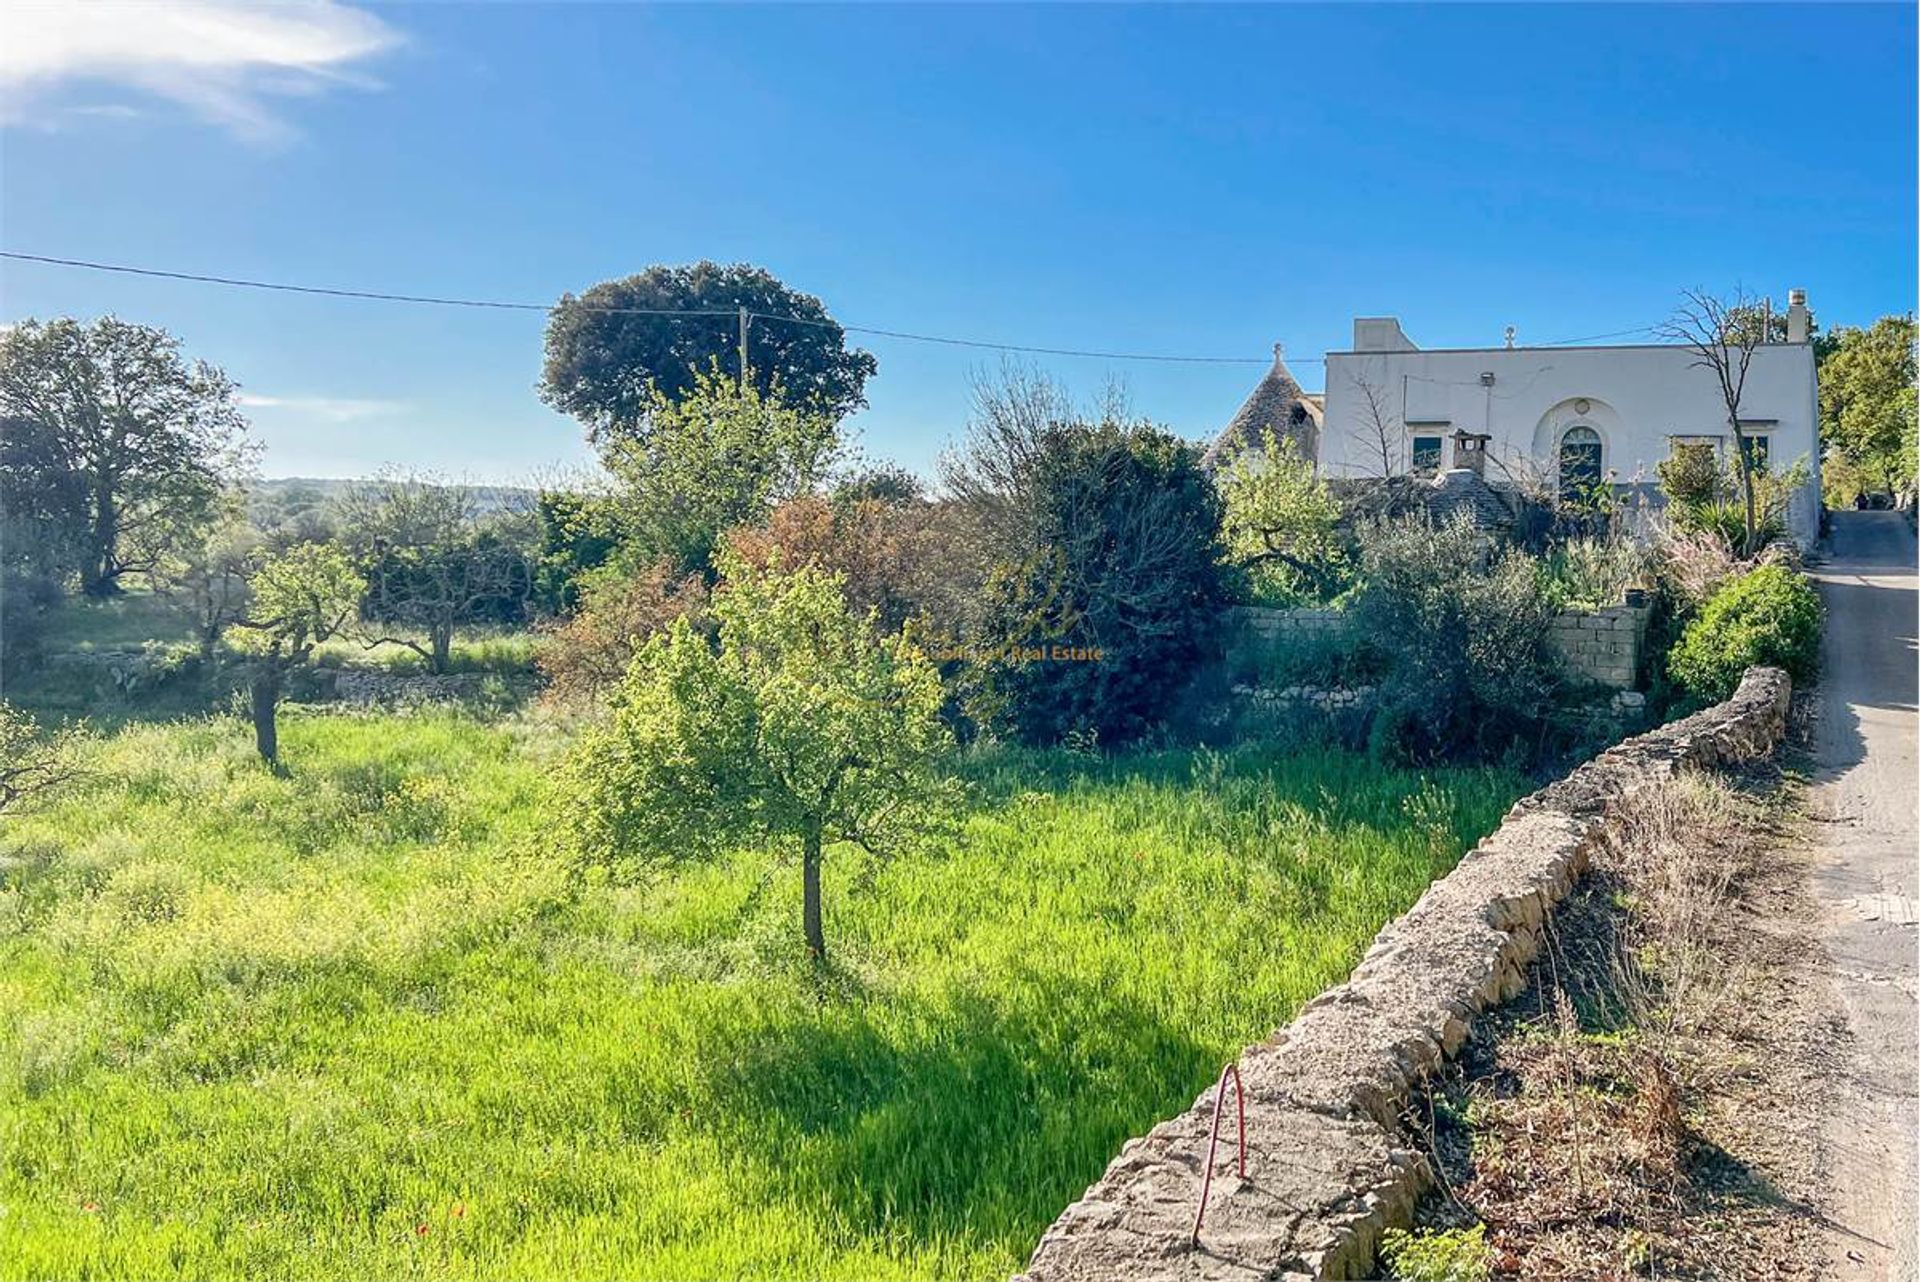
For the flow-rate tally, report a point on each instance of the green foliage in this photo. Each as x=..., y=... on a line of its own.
x=1867, y=400
x=1280, y=523
x=1719, y=507
x=127, y=429
x=1439, y=1255
x=1769, y=615
x=578, y=534
x=1593, y=571
x=799, y=725
x=434, y=561
x=34, y=767
x=1691, y=474
x=301, y=597
x=1461, y=631
x=717, y=457
x=1114, y=601
x=611, y=368
x=351, y=1024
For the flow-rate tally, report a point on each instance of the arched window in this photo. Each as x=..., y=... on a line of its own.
x=1579, y=460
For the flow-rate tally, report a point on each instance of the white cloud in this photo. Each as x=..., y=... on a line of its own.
x=223, y=60
x=326, y=409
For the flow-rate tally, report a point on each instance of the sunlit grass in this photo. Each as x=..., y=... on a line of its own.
x=356, y=1022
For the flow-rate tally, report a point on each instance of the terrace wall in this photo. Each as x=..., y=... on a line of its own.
x=1602, y=646
x=1329, y=1168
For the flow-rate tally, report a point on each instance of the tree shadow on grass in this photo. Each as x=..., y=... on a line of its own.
x=962, y=1120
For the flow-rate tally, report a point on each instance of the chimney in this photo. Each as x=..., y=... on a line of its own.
x=1799, y=319
x=1380, y=334
x=1470, y=451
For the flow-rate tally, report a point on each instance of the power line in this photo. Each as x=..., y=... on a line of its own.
x=503, y=305
x=431, y=300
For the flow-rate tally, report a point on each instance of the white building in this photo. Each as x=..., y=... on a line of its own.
x=1561, y=416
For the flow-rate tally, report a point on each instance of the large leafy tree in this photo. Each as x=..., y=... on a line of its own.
x=148, y=435
x=614, y=351
x=1867, y=405
x=300, y=598
x=721, y=455
x=797, y=724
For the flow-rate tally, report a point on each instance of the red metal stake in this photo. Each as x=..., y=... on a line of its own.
x=1213, y=1140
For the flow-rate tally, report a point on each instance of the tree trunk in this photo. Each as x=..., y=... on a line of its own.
x=810, y=894
x=101, y=537
x=266, y=698
x=441, y=637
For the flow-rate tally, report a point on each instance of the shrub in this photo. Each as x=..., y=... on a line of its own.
x=1770, y=615
x=887, y=553
x=1115, y=599
x=1461, y=633
x=33, y=766
x=1593, y=571
x=1439, y=1255
x=620, y=608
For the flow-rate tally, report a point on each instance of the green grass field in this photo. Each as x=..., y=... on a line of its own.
x=355, y=1021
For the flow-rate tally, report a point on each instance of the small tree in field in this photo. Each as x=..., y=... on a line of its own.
x=300, y=598
x=799, y=725
x=32, y=766
x=1281, y=522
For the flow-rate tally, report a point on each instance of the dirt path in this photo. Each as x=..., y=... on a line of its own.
x=1863, y=804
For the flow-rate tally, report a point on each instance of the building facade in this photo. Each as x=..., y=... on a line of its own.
x=1554, y=418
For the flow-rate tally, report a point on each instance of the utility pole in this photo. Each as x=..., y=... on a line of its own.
x=743, y=347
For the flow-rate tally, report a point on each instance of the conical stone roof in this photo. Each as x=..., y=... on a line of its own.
x=1277, y=404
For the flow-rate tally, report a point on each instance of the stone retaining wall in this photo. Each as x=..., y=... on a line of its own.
x=1328, y=1166
x=1602, y=646
x=1270, y=624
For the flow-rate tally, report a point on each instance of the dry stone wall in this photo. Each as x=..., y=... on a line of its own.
x=1328, y=1167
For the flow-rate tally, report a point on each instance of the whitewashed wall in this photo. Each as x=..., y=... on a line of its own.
x=1637, y=399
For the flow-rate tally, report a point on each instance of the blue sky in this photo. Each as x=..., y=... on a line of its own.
x=1184, y=180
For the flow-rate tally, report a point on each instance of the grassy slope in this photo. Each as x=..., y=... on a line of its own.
x=351, y=1022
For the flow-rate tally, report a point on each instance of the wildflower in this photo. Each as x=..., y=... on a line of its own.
x=420, y=1229
x=459, y=1210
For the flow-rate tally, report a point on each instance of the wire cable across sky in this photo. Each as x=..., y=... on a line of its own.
x=380, y=296
x=491, y=304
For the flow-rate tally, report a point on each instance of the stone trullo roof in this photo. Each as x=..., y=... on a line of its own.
x=1277, y=403
x=1462, y=489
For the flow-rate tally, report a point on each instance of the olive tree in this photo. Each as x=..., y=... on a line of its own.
x=300, y=598
x=795, y=723
x=434, y=560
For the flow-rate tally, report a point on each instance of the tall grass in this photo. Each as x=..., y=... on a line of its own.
x=356, y=1022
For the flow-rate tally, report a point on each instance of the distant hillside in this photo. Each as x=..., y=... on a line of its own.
x=300, y=492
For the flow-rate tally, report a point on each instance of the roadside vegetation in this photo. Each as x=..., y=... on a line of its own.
x=1644, y=1109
